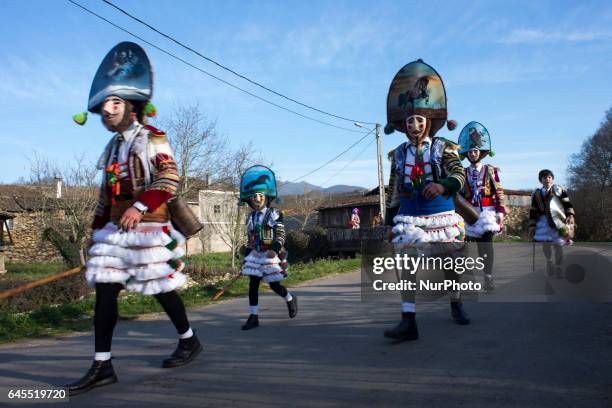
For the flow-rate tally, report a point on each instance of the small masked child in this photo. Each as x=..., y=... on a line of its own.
x=264, y=257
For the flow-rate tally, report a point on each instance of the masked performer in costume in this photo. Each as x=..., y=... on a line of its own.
x=484, y=191
x=426, y=173
x=135, y=247
x=264, y=257
x=355, y=221
x=544, y=225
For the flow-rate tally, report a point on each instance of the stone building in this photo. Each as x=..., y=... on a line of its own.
x=24, y=206
x=216, y=206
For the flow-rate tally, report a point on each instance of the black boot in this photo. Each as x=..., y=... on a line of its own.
x=186, y=350
x=459, y=315
x=292, y=307
x=251, y=323
x=100, y=373
x=558, y=272
x=489, y=284
x=406, y=329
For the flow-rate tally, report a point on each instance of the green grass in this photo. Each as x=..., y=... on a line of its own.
x=33, y=270
x=77, y=316
x=219, y=260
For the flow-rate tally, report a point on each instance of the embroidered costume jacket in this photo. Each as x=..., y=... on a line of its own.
x=265, y=230
x=151, y=177
x=490, y=191
x=540, y=203
x=442, y=166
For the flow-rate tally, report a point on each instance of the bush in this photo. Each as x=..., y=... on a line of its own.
x=296, y=244
x=59, y=292
x=318, y=245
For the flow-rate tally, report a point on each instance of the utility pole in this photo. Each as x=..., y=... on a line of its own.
x=381, y=179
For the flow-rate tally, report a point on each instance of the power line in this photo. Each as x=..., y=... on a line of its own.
x=229, y=69
x=349, y=163
x=211, y=75
x=330, y=160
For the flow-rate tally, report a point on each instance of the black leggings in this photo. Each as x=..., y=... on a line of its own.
x=106, y=313
x=548, y=247
x=254, y=281
x=485, y=246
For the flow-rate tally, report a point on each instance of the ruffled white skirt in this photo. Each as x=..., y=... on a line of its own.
x=441, y=227
x=269, y=269
x=147, y=259
x=487, y=222
x=545, y=233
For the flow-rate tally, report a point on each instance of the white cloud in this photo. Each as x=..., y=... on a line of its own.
x=519, y=70
x=535, y=36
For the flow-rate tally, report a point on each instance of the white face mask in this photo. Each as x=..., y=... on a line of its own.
x=473, y=155
x=416, y=125
x=258, y=201
x=113, y=110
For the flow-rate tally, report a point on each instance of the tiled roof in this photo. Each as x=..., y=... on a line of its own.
x=357, y=201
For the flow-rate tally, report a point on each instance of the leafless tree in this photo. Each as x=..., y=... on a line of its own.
x=65, y=201
x=304, y=205
x=590, y=175
x=198, y=148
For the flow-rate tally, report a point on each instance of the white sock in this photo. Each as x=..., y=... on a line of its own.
x=186, y=335
x=288, y=298
x=408, y=307
x=102, y=356
x=253, y=309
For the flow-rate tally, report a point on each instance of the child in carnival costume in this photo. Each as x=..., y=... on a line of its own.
x=542, y=225
x=484, y=192
x=355, y=222
x=426, y=173
x=264, y=256
x=135, y=246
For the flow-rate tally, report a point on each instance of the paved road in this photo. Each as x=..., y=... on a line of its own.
x=333, y=354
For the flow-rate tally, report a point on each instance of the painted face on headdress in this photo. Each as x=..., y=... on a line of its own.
x=416, y=126
x=257, y=201
x=475, y=142
x=417, y=89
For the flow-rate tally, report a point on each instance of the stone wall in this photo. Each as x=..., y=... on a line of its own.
x=28, y=243
x=516, y=221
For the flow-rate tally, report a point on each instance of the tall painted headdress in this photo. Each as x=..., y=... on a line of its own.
x=125, y=72
x=475, y=136
x=257, y=179
x=417, y=89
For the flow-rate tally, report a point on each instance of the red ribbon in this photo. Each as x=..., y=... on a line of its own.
x=417, y=171
x=112, y=173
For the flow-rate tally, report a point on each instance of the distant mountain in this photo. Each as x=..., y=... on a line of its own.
x=342, y=188
x=299, y=188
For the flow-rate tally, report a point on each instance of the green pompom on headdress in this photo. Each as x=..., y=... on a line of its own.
x=150, y=110
x=80, y=118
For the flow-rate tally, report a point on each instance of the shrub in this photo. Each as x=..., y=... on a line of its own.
x=59, y=292
x=296, y=244
x=318, y=245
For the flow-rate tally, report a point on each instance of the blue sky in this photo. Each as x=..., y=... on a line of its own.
x=535, y=73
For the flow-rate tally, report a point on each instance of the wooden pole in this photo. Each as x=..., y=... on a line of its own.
x=40, y=282
x=226, y=287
